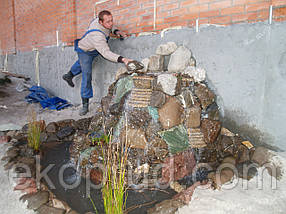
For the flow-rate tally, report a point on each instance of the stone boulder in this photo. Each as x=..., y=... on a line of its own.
x=210, y=129
x=49, y=210
x=170, y=114
x=156, y=63
x=145, y=62
x=166, y=49
x=261, y=156
x=36, y=200
x=158, y=98
x=193, y=117
x=206, y=96
x=199, y=74
x=166, y=207
x=179, y=60
x=120, y=72
x=178, y=166
x=52, y=127
x=168, y=83
x=135, y=137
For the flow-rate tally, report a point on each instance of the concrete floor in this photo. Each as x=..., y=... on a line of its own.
x=15, y=110
x=9, y=202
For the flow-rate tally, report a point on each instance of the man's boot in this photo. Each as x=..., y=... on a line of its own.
x=84, y=109
x=68, y=78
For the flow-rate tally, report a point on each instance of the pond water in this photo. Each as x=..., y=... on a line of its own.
x=77, y=197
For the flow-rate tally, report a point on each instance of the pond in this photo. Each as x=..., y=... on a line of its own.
x=63, y=174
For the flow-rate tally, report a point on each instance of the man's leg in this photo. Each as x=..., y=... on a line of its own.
x=86, y=85
x=75, y=70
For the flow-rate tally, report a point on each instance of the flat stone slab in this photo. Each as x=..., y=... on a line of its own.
x=36, y=200
x=50, y=210
x=9, y=127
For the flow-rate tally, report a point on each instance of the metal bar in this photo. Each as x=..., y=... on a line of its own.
x=270, y=14
x=37, y=67
x=14, y=26
x=57, y=35
x=6, y=63
x=155, y=8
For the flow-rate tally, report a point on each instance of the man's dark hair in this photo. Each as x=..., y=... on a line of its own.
x=102, y=13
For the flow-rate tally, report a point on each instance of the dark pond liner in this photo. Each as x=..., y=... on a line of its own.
x=76, y=198
x=201, y=174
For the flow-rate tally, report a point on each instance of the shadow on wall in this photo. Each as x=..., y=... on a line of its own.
x=249, y=132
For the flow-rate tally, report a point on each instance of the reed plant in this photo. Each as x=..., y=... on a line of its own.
x=34, y=131
x=93, y=205
x=114, y=181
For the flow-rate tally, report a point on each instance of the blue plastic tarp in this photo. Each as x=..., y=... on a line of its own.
x=39, y=94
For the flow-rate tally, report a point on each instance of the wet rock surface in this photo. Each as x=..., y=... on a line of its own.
x=166, y=207
x=52, y=127
x=65, y=132
x=138, y=118
x=158, y=99
x=50, y=210
x=83, y=124
x=170, y=113
x=178, y=166
x=96, y=121
x=193, y=117
x=135, y=137
x=36, y=200
x=261, y=156
x=205, y=96
x=186, y=195
x=72, y=212
x=210, y=129
x=66, y=123
x=5, y=139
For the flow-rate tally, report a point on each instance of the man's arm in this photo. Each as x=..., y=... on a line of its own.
x=100, y=44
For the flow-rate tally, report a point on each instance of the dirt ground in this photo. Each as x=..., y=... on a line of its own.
x=15, y=110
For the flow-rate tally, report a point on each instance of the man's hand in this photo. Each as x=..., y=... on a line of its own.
x=121, y=33
x=126, y=60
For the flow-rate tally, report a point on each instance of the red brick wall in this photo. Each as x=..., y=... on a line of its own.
x=36, y=22
x=7, y=39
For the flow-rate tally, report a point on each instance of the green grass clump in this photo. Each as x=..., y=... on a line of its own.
x=34, y=132
x=114, y=189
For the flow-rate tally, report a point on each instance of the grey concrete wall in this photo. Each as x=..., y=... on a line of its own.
x=22, y=63
x=1, y=61
x=245, y=64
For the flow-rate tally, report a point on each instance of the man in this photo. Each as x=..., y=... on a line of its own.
x=93, y=43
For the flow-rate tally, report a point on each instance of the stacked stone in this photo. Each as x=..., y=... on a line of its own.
x=168, y=114
x=168, y=100
x=165, y=109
